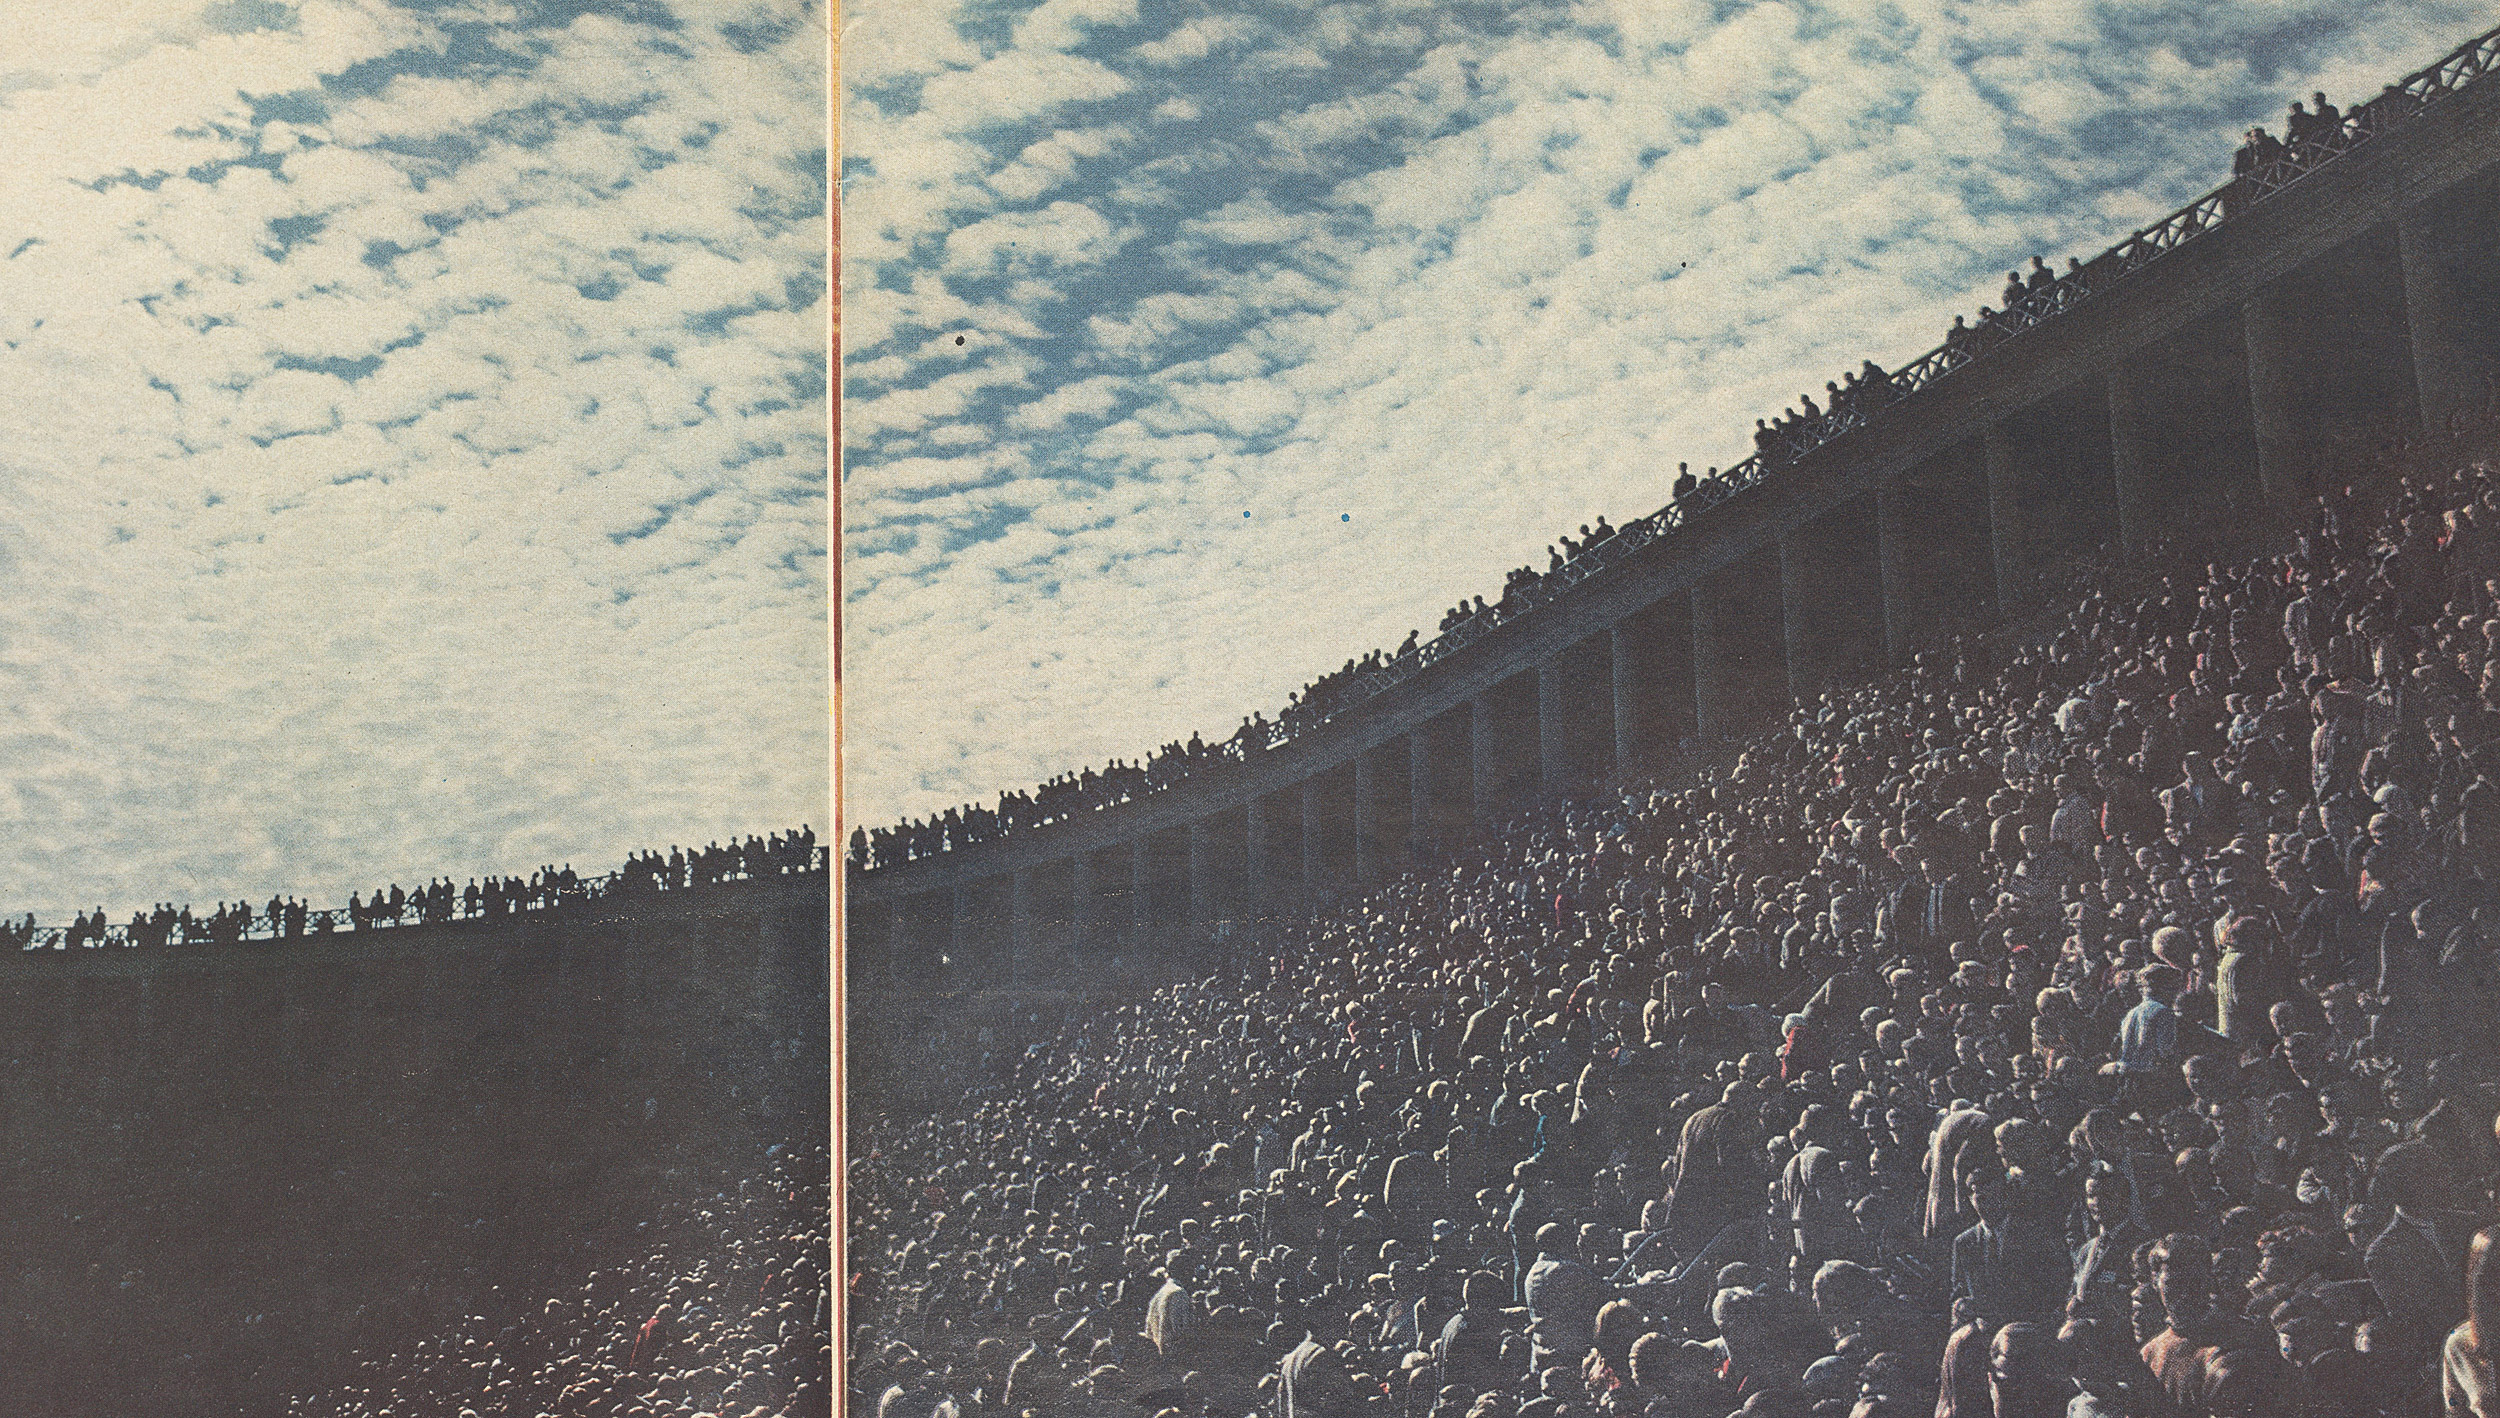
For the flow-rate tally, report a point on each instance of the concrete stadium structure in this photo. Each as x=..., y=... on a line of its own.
x=2205, y=376
x=234, y=1166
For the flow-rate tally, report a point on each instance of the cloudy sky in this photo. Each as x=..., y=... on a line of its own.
x=1191, y=348
x=413, y=453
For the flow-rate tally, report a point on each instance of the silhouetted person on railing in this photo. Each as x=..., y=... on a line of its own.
x=1684, y=483
x=2013, y=289
x=1958, y=341
x=2256, y=153
x=2041, y=277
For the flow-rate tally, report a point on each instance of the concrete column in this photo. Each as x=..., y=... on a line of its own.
x=1367, y=844
x=2273, y=402
x=2447, y=373
x=1625, y=657
x=1201, y=876
x=1892, y=550
x=1484, y=753
x=1553, y=742
x=1649, y=688
x=1141, y=876
x=1314, y=830
x=1714, y=677
x=1081, y=905
x=1422, y=788
x=2129, y=452
x=2005, y=520
x=1020, y=924
x=959, y=926
x=1797, y=612
x=1254, y=891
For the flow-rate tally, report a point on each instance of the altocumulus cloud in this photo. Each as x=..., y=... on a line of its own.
x=414, y=452
x=1417, y=286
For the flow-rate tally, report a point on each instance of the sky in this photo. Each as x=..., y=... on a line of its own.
x=1192, y=348
x=413, y=458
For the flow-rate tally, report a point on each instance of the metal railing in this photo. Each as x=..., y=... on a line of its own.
x=2399, y=104
x=239, y=922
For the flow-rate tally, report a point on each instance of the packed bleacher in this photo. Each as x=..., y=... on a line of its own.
x=2094, y=1022
x=716, y=1306
x=774, y=857
x=2262, y=164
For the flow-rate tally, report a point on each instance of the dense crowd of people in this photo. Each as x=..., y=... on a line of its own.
x=2314, y=134
x=717, y=1307
x=780, y=854
x=2093, y=1024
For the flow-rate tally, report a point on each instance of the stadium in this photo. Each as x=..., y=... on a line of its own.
x=416, y=481
x=1984, y=907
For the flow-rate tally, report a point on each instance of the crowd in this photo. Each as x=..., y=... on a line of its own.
x=718, y=1307
x=2310, y=135
x=752, y=858
x=2092, y=1025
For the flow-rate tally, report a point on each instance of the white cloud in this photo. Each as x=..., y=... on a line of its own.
x=1252, y=221
x=1085, y=398
x=1063, y=234
x=335, y=566
x=1064, y=24
x=1196, y=40
x=1052, y=161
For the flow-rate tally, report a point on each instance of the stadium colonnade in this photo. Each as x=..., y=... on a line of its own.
x=2207, y=388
